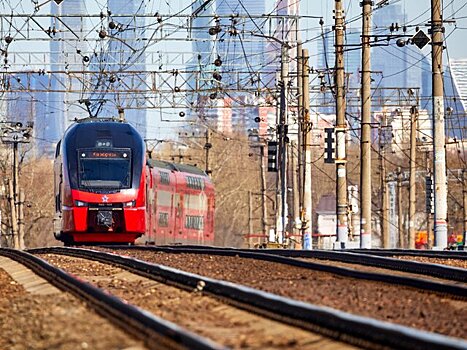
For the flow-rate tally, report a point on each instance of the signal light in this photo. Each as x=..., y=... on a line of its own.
x=272, y=156
x=429, y=201
x=330, y=145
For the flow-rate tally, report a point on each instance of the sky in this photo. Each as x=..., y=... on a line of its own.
x=418, y=12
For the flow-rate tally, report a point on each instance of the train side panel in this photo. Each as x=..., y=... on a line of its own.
x=183, y=210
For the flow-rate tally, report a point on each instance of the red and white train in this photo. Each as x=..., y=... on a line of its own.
x=106, y=191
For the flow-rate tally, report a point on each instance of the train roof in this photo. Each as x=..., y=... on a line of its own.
x=84, y=133
x=185, y=168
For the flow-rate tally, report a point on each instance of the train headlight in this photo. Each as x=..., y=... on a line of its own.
x=80, y=204
x=129, y=204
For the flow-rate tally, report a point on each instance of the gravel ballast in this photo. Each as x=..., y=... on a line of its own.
x=392, y=303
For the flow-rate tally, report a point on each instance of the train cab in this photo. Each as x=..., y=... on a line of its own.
x=100, y=183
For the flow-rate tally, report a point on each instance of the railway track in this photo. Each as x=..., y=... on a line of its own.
x=155, y=332
x=441, y=254
x=295, y=258
x=356, y=330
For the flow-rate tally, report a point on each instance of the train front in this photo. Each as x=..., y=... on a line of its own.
x=104, y=183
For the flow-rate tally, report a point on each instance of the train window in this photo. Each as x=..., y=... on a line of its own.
x=165, y=178
x=163, y=219
x=104, y=169
x=195, y=182
x=164, y=198
x=194, y=222
x=196, y=202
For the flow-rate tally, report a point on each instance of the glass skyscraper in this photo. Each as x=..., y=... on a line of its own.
x=120, y=62
x=64, y=107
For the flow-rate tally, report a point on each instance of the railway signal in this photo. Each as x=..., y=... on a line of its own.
x=272, y=156
x=429, y=203
x=15, y=133
x=330, y=146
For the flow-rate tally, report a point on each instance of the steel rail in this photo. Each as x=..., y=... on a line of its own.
x=357, y=330
x=154, y=331
x=448, y=273
x=445, y=254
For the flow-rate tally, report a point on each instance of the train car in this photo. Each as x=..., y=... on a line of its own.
x=181, y=197
x=100, y=181
x=106, y=192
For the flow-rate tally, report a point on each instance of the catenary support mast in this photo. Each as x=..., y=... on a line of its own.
x=365, y=147
x=341, y=157
x=439, y=152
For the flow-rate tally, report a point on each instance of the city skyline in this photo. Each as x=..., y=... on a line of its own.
x=234, y=56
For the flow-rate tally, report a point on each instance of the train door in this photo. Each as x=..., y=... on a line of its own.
x=150, y=209
x=58, y=191
x=209, y=229
x=177, y=215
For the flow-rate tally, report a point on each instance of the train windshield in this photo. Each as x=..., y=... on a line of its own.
x=104, y=169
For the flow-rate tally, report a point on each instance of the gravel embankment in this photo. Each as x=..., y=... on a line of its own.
x=367, y=268
x=398, y=304
x=450, y=262
x=204, y=315
x=53, y=321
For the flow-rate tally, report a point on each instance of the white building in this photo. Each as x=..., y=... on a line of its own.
x=395, y=128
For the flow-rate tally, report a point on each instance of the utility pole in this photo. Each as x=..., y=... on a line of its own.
x=250, y=218
x=412, y=180
x=290, y=194
x=264, y=216
x=14, y=133
x=21, y=219
x=282, y=133
x=439, y=152
x=365, y=147
x=429, y=223
x=295, y=192
x=307, y=218
x=300, y=149
x=341, y=157
x=384, y=190
x=399, y=208
x=15, y=173
x=14, y=220
x=207, y=147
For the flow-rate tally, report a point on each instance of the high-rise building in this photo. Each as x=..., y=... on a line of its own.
x=240, y=51
x=459, y=73
x=326, y=62
x=27, y=103
x=454, y=102
x=242, y=54
x=120, y=63
x=226, y=57
x=199, y=68
x=68, y=39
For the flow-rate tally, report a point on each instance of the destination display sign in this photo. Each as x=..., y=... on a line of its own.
x=105, y=154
